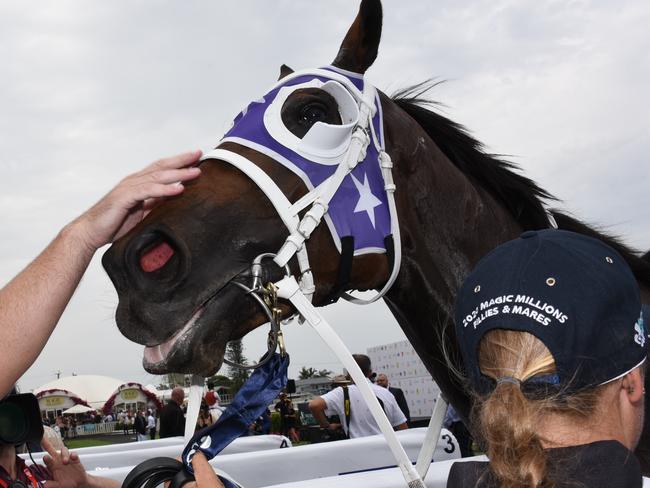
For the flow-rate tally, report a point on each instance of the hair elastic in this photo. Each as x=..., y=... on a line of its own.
x=508, y=379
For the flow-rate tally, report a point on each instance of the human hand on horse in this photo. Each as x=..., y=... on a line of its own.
x=134, y=197
x=34, y=300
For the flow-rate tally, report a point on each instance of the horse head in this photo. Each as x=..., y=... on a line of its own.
x=176, y=272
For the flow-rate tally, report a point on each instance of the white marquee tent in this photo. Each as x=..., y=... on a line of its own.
x=91, y=390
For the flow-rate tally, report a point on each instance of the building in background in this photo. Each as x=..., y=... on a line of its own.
x=132, y=396
x=312, y=387
x=405, y=370
x=87, y=390
x=100, y=393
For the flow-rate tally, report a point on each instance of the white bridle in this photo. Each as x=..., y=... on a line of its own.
x=300, y=292
x=318, y=198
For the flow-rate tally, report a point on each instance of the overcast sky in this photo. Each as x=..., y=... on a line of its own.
x=92, y=90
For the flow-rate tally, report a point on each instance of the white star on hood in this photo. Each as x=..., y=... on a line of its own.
x=367, y=201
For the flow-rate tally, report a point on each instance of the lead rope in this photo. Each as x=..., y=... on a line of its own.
x=288, y=289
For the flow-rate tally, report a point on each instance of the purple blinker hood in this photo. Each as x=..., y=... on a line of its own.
x=360, y=206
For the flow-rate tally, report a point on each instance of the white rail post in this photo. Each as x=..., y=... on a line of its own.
x=431, y=437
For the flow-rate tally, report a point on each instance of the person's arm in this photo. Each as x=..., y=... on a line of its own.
x=393, y=412
x=317, y=407
x=180, y=422
x=398, y=393
x=68, y=472
x=32, y=303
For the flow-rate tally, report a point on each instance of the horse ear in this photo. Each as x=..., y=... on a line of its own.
x=359, y=48
x=284, y=71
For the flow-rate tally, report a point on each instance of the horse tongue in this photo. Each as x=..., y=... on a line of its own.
x=156, y=257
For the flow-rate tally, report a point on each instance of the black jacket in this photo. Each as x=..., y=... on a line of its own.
x=401, y=401
x=140, y=425
x=172, y=420
x=602, y=464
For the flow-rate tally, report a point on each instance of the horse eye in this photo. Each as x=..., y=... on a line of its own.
x=312, y=113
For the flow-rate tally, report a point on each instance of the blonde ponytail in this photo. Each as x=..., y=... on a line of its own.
x=507, y=421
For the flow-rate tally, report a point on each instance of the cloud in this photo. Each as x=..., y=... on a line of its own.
x=94, y=90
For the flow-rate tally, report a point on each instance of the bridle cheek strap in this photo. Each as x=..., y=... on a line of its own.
x=280, y=202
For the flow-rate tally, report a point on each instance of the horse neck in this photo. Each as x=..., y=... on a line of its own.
x=447, y=224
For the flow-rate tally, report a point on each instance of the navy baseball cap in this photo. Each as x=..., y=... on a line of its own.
x=574, y=293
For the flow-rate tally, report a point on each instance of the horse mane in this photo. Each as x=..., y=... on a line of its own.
x=520, y=195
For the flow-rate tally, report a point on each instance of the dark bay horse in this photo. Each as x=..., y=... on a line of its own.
x=455, y=203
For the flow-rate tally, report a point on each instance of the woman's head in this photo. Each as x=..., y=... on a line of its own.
x=552, y=337
x=523, y=414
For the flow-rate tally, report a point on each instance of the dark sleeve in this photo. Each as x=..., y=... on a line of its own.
x=180, y=423
x=401, y=401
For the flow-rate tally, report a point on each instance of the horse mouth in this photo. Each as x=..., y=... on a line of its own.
x=194, y=348
x=155, y=357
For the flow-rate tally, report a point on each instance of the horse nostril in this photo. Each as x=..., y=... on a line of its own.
x=155, y=256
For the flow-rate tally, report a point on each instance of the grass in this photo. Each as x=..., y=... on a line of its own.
x=78, y=443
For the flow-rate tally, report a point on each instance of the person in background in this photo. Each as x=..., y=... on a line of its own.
x=151, y=424
x=140, y=426
x=128, y=424
x=291, y=421
x=33, y=301
x=212, y=399
x=456, y=426
x=362, y=423
x=287, y=417
x=172, y=419
x=205, y=418
x=382, y=380
x=72, y=432
x=58, y=426
x=551, y=331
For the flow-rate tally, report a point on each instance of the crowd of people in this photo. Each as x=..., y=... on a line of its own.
x=550, y=328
